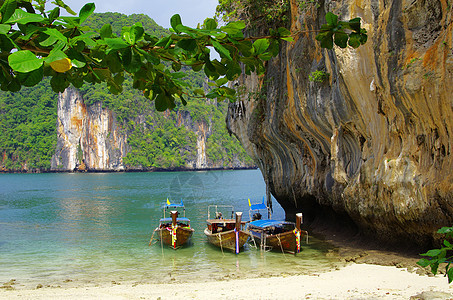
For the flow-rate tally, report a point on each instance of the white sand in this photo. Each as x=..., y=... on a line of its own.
x=356, y=281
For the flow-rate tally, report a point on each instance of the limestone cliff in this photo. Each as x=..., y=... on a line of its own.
x=371, y=144
x=91, y=139
x=88, y=137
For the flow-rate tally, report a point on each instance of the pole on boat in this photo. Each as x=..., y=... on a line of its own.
x=174, y=215
x=297, y=232
x=174, y=226
x=237, y=229
x=268, y=197
x=298, y=220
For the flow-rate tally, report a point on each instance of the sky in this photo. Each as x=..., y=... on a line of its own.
x=192, y=12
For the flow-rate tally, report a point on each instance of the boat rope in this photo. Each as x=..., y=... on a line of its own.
x=297, y=234
x=281, y=246
x=152, y=236
x=161, y=243
x=253, y=238
x=306, y=233
x=237, y=240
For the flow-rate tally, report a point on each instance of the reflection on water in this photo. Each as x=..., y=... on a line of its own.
x=96, y=228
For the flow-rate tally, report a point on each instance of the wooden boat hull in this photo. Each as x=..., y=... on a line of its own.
x=227, y=239
x=285, y=241
x=183, y=235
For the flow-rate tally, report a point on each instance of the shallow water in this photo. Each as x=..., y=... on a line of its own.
x=95, y=228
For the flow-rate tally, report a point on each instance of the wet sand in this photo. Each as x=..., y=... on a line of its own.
x=363, y=271
x=354, y=281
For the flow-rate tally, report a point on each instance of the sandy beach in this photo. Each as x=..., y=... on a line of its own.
x=355, y=281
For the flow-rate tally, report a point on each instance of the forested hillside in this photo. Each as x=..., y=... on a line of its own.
x=157, y=140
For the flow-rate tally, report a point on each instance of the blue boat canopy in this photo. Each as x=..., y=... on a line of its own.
x=166, y=220
x=268, y=223
x=168, y=204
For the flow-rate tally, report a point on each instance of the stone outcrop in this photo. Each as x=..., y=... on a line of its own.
x=89, y=138
x=370, y=145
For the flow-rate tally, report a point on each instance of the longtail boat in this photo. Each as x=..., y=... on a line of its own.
x=226, y=233
x=174, y=231
x=277, y=235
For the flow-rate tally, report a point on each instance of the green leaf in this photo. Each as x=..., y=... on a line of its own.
x=222, y=50
x=211, y=71
x=115, y=43
x=54, y=14
x=24, y=61
x=199, y=92
x=137, y=32
x=177, y=75
x=6, y=43
x=175, y=20
x=450, y=275
x=184, y=102
x=341, y=39
x=261, y=45
x=213, y=94
x=63, y=5
x=164, y=102
x=187, y=44
x=238, y=25
x=59, y=83
x=72, y=21
x=423, y=262
x=7, y=9
x=55, y=55
x=332, y=19
x=164, y=42
x=106, y=31
x=86, y=11
x=284, y=32
x=210, y=24
x=432, y=252
x=31, y=78
x=354, y=40
x=445, y=230
x=288, y=39
x=354, y=24
x=4, y=28
x=245, y=47
x=21, y=17
x=221, y=81
x=56, y=34
x=434, y=266
x=326, y=39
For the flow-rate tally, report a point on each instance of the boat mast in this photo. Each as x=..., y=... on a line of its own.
x=268, y=197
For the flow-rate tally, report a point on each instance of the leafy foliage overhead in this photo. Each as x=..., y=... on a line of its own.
x=35, y=43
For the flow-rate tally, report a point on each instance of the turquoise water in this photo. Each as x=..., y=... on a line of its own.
x=95, y=228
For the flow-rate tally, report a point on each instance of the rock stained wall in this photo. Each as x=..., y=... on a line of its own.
x=88, y=137
x=372, y=144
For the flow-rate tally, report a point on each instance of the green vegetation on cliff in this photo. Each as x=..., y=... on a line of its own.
x=28, y=128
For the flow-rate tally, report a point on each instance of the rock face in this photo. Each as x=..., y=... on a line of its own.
x=88, y=137
x=91, y=139
x=370, y=145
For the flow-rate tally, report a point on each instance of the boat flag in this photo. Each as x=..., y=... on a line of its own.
x=250, y=204
x=168, y=202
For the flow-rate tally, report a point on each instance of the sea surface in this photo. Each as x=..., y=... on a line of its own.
x=82, y=229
